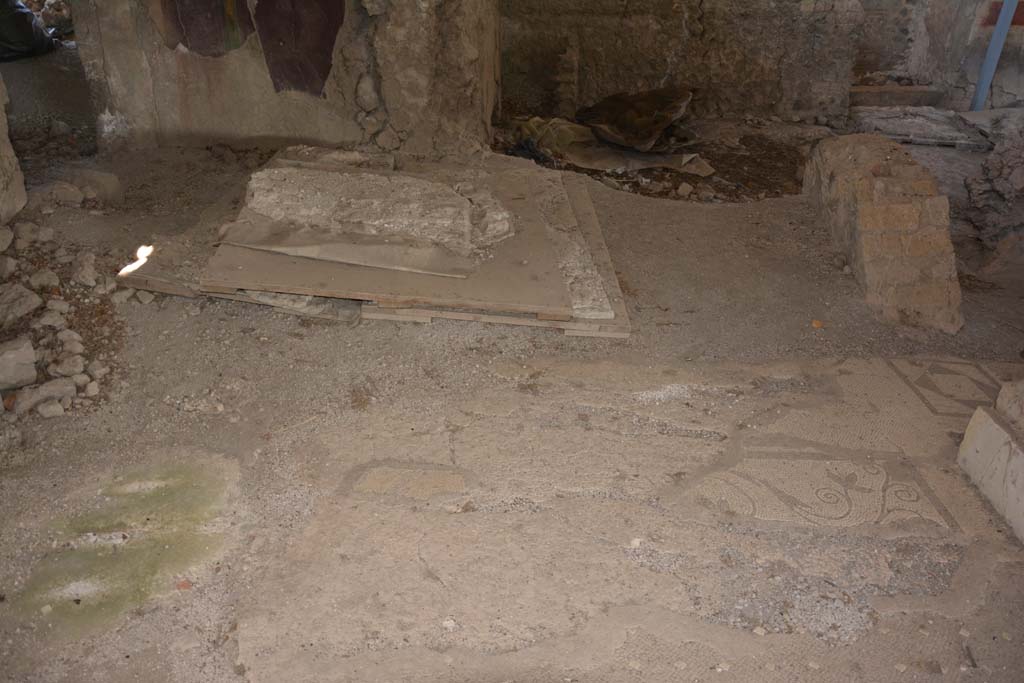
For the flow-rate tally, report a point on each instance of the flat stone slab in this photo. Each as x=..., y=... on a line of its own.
x=316, y=208
x=992, y=455
x=54, y=390
x=15, y=303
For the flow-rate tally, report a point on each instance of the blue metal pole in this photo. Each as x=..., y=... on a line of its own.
x=995, y=51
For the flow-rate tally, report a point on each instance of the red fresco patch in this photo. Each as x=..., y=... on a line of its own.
x=993, y=15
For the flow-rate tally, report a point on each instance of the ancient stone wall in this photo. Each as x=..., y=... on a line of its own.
x=12, y=183
x=891, y=30
x=789, y=57
x=887, y=216
x=940, y=43
x=376, y=74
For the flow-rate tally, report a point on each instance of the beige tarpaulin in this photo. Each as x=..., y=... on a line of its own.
x=579, y=146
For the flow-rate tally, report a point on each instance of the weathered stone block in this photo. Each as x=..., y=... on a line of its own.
x=15, y=303
x=54, y=390
x=12, y=182
x=873, y=218
x=17, y=364
x=992, y=456
x=1011, y=404
x=98, y=184
x=927, y=244
x=935, y=213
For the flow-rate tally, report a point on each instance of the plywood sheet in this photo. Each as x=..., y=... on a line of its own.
x=171, y=270
x=589, y=226
x=522, y=276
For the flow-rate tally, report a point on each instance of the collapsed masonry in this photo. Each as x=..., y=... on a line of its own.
x=379, y=75
x=887, y=217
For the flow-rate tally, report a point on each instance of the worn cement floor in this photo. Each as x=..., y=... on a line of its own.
x=733, y=494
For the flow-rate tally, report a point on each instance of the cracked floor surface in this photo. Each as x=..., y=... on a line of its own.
x=731, y=495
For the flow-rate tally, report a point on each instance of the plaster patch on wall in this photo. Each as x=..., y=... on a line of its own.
x=112, y=125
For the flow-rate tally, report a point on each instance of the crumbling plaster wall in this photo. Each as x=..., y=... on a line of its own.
x=940, y=43
x=417, y=76
x=792, y=57
x=964, y=51
x=787, y=57
x=891, y=31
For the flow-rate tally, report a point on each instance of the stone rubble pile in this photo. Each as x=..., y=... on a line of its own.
x=45, y=366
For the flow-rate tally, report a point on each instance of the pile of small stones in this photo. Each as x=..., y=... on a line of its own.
x=45, y=366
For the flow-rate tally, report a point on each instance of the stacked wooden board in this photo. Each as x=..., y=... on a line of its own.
x=528, y=280
x=173, y=269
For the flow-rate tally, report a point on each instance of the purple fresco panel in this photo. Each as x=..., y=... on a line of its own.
x=298, y=41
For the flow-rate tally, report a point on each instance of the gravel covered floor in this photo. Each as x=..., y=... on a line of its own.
x=733, y=494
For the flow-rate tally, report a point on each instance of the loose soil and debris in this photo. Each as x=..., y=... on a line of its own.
x=737, y=161
x=734, y=490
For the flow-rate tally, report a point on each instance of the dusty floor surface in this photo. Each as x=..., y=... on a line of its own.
x=733, y=494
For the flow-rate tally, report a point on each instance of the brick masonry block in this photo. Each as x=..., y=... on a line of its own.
x=886, y=214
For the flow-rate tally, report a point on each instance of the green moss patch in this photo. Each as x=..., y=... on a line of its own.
x=145, y=528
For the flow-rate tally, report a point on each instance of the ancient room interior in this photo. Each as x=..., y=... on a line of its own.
x=496, y=341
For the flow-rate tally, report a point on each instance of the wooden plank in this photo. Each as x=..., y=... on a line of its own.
x=562, y=318
x=153, y=276
x=168, y=270
x=522, y=276
x=160, y=283
x=599, y=333
x=340, y=313
x=220, y=290
x=395, y=317
x=419, y=314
